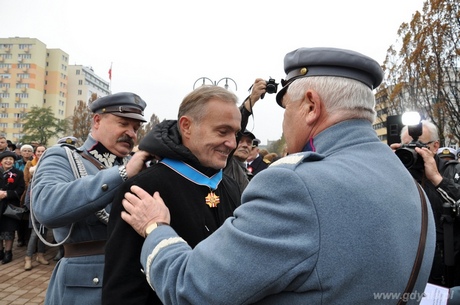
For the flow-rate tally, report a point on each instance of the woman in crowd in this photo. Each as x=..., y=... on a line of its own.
x=34, y=242
x=12, y=186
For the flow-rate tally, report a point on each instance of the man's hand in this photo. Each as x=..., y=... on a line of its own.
x=137, y=163
x=258, y=88
x=395, y=146
x=142, y=209
x=431, y=168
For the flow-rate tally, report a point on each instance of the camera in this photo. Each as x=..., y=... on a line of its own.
x=407, y=154
x=272, y=87
x=451, y=210
x=409, y=157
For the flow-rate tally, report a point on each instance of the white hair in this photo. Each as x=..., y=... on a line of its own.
x=347, y=97
x=27, y=146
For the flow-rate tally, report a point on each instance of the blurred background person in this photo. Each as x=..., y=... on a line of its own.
x=34, y=244
x=255, y=162
x=447, y=153
x=27, y=154
x=11, y=188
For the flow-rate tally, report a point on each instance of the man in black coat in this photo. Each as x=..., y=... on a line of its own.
x=256, y=162
x=190, y=155
x=440, y=179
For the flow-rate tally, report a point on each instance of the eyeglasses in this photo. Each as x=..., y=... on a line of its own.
x=427, y=143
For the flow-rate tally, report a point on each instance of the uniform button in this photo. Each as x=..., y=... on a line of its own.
x=95, y=281
x=104, y=187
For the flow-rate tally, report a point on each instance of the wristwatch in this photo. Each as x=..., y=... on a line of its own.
x=153, y=226
x=122, y=172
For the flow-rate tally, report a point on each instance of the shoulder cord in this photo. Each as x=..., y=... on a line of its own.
x=79, y=171
x=421, y=247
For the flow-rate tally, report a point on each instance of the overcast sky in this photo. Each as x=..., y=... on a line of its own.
x=159, y=49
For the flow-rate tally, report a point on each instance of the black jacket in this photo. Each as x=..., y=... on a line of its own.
x=193, y=220
x=257, y=165
x=14, y=188
x=446, y=193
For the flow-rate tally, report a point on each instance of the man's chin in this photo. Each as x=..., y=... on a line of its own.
x=124, y=149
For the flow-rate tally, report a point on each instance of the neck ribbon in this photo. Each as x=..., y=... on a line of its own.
x=192, y=174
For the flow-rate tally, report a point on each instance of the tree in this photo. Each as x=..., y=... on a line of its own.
x=81, y=120
x=41, y=125
x=147, y=127
x=423, y=75
x=278, y=146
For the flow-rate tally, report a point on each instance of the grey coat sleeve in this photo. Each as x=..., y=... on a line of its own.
x=240, y=262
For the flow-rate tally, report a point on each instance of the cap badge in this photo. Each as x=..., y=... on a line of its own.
x=303, y=71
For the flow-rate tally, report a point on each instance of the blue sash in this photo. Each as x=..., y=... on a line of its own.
x=192, y=174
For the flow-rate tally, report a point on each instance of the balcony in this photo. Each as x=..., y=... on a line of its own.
x=20, y=59
x=17, y=99
x=23, y=89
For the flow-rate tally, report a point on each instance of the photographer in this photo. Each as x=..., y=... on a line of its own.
x=258, y=90
x=440, y=180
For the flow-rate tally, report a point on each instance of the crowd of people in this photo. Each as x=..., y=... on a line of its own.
x=199, y=214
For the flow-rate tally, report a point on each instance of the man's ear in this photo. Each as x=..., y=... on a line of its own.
x=313, y=105
x=96, y=120
x=185, y=125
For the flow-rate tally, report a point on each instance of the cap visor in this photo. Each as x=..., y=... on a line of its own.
x=134, y=116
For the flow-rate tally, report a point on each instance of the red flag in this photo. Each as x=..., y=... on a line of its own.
x=110, y=72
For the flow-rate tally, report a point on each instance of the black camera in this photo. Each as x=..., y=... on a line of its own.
x=407, y=154
x=272, y=87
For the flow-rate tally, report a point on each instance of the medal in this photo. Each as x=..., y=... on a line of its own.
x=212, y=200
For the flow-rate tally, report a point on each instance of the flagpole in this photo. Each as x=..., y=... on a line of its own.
x=110, y=77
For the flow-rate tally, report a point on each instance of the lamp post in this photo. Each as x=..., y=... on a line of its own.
x=216, y=83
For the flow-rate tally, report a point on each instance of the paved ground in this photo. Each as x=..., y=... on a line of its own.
x=18, y=286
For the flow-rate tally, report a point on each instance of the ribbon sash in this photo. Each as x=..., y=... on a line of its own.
x=192, y=174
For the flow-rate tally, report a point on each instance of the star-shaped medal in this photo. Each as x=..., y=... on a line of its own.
x=212, y=200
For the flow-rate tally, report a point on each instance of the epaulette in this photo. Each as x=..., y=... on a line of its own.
x=72, y=147
x=298, y=158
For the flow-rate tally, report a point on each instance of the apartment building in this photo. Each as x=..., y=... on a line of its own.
x=33, y=75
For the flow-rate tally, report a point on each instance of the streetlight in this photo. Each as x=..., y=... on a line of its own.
x=216, y=83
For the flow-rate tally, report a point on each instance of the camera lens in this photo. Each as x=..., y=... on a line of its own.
x=271, y=89
x=408, y=157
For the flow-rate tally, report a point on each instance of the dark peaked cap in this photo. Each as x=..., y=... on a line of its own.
x=305, y=62
x=124, y=104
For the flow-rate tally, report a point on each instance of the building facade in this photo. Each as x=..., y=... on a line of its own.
x=32, y=75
